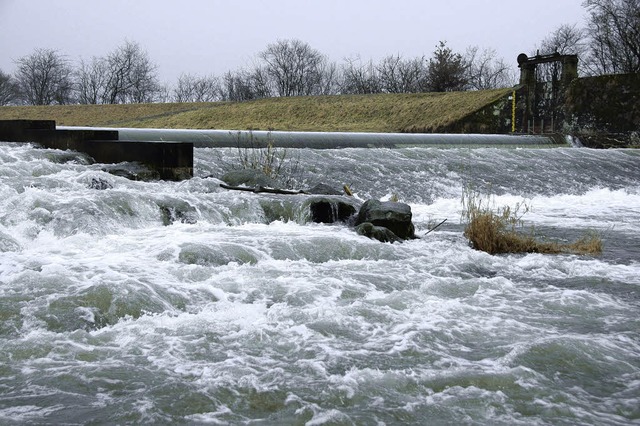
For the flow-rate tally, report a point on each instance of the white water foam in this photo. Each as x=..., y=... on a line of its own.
x=110, y=315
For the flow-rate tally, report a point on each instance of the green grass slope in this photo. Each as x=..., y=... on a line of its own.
x=426, y=112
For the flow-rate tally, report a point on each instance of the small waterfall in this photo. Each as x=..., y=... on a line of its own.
x=574, y=141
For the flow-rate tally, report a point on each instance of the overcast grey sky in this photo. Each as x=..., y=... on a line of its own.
x=213, y=36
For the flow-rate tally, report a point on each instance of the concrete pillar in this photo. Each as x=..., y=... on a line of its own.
x=528, y=80
x=569, y=70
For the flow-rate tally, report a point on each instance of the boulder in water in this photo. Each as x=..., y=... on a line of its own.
x=323, y=189
x=396, y=217
x=7, y=243
x=172, y=214
x=379, y=233
x=100, y=183
x=248, y=177
x=331, y=209
x=132, y=171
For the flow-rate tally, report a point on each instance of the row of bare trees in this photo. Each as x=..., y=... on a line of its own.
x=284, y=68
x=46, y=77
x=126, y=75
x=294, y=68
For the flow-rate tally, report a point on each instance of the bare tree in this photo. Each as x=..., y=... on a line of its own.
x=259, y=82
x=398, y=75
x=330, y=81
x=565, y=40
x=8, y=89
x=44, y=78
x=126, y=75
x=614, y=31
x=91, y=81
x=236, y=87
x=131, y=76
x=192, y=88
x=164, y=94
x=360, y=78
x=487, y=71
x=293, y=67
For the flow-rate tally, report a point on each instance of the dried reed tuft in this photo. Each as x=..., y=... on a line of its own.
x=499, y=230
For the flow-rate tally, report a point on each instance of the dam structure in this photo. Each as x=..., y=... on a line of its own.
x=169, y=152
x=325, y=140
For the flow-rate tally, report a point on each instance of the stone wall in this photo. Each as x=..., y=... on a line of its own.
x=604, y=111
x=494, y=118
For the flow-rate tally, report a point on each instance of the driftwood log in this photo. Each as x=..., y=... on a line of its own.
x=259, y=189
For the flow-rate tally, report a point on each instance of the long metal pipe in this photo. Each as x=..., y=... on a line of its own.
x=323, y=140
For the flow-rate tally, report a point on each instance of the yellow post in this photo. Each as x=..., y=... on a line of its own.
x=513, y=112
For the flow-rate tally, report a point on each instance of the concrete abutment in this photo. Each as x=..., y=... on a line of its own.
x=171, y=160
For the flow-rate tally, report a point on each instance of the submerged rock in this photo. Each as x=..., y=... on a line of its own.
x=248, y=177
x=396, y=217
x=216, y=254
x=331, y=209
x=323, y=189
x=379, y=233
x=132, y=171
x=172, y=214
x=7, y=243
x=99, y=184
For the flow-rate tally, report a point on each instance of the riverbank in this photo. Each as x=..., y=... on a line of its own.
x=599, y=112
x=382, y=113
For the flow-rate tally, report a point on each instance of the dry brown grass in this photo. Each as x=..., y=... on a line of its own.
x=274, y=162
x=500, y=230
x=350, y=113
x=94, y=115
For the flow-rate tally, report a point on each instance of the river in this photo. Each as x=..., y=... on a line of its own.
x=131, y=302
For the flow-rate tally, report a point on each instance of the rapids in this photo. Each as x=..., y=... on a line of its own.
x=129, y=302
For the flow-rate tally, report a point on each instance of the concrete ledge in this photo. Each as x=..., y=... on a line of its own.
x=172, y=160
x=17, y=130
x=69, y=139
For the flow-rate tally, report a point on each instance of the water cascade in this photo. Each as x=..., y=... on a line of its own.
x=131, y=302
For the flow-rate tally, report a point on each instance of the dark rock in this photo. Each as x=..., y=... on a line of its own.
x=323, y=189
x=248, y=177
x=379, y=233
x=391, y=215
x=132, y=171
x=7, y=243
x=216, y=255
x=172, y=214
x=63, y=157
x=100, y=184
x=331, y=209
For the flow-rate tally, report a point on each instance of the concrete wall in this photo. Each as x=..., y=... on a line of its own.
x=494, y=118
x=604, y=111
x=172, y=160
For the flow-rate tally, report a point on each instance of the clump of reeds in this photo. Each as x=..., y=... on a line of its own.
x=498, y=230
x=274, y=162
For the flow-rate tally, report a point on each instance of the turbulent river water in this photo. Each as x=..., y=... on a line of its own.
x=241, y=311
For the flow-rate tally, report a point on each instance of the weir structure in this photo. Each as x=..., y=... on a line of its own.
x=544, y=95
x=170, y=152
x=330, y=140
x=170, y=159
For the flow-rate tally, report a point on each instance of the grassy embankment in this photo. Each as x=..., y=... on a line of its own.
x=349, y=113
